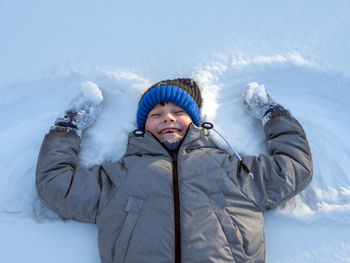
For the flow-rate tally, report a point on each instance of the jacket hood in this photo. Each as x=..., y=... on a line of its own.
x=148, y=144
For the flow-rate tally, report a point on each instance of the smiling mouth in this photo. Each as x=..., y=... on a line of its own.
x=169, y=130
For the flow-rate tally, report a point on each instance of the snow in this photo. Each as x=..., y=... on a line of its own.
x=298, y=50
x=257, y=101
x=90, y=92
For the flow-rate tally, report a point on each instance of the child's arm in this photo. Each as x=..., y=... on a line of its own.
x=288, y=169
x=62, y=184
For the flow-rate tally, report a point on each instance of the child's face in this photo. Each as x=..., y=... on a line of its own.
x=168, y=122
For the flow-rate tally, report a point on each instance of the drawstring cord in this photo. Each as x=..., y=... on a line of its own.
x=208, y=125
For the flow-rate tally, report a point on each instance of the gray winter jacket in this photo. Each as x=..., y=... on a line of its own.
x=198, y=205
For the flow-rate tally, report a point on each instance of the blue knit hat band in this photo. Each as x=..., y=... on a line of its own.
x=167, y=93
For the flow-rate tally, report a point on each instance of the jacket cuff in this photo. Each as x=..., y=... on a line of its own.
x=65, y=129
x=273, y=114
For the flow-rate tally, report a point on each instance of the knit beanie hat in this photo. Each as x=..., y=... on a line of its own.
x=183, y=92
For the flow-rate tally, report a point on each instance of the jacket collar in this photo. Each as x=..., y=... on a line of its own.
x=148, y=144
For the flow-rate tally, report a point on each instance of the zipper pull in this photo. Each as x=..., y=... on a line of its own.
x=245, y=167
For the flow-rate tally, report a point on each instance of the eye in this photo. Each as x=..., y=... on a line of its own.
x=154, y=115
x=179, y=112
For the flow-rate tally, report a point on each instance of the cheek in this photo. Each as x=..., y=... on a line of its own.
x=151, y=125
x=185, y=122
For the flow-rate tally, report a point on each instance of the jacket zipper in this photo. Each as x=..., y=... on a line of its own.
x=177, y=223
x=176, y=210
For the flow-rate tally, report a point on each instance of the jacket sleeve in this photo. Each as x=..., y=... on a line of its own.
x=283, y=173
x=62, y=184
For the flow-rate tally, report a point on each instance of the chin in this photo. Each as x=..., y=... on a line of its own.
x=172, y=138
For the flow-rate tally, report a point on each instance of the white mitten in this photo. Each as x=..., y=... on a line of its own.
x=258, y=102
x=83, y=110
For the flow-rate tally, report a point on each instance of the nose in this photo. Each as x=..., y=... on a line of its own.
x=169, y=118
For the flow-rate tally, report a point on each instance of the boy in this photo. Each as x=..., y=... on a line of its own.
x=175, y=196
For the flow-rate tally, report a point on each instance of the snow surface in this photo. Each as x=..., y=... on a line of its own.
x=298, y=49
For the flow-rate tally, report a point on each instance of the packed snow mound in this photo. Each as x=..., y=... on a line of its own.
x=89, y=92
x=257, y=101
x=254, y=88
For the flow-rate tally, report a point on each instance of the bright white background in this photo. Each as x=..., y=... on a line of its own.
x=299, y=49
